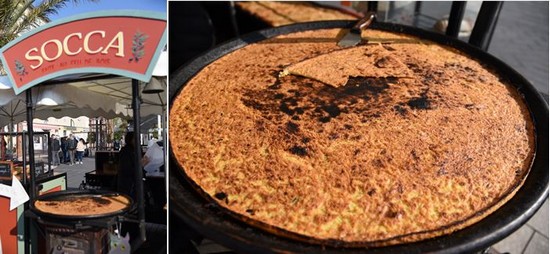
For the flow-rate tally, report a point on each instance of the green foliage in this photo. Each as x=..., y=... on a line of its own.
x=20, y=69
x=138, y=46
x=118, y=134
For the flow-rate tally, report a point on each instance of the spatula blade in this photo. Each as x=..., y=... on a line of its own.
x=350, y=39
x=353, y=37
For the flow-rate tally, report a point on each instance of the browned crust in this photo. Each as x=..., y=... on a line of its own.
x=285, y=13
x=390, y=161
x=83, y=206
x=335, y=68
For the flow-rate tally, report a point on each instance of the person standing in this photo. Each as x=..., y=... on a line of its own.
x=64, y=151
x=153, y=158
x=80, y=147
x=126, y=179
x=55, y=149
x=71, y=147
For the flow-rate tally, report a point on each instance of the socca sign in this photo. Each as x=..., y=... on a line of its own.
x=125, y=43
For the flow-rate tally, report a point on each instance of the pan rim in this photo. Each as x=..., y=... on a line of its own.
x=73, y=193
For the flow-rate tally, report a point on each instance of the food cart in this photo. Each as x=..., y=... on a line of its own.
x=112, y=43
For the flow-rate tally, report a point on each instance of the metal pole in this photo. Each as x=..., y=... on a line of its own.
x=164, y=129
x=11, y=130
x=234, y=19
x=137, y=162
x=24, y=154
x=417, y=7
x=485, y=24
x=27, y=221
x=372, y=6
x=455, y=19
x=30, y=132
x=102, y=133
x=417, y=10
x=31, y=188
x=96, y=135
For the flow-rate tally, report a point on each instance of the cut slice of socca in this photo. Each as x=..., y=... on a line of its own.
x=335, y=68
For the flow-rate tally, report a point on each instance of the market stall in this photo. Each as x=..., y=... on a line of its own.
x=83, y=47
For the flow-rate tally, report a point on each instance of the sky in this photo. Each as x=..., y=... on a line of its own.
x=85, y=6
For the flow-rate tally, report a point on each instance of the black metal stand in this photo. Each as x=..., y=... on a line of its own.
x=137, y=146
x=455, y=18
x=485, y=24
x=372, y=6
x=30, y=131
x=31, y=189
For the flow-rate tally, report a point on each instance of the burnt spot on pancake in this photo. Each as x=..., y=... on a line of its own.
x=275, y=86
x=421, y=102
x=460, y=67
x=260, y=125
x=333, y=136
x=384, y=62
x=378, y=163
x=324, y=119
x=299, y=150
x=100, y=201
x=292, y=127
x=331, y=109
x=371, y=192
x=360, y=86
x=302, y=98
x=221, y=196
x=285, y=109
x=250, y=211
x=414, y=67
x=393, y=214
x=415, y=155
x=400, y=110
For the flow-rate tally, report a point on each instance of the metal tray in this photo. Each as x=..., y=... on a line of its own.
x=63, y=195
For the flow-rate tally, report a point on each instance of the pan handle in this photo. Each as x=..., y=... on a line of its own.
x=365, y=22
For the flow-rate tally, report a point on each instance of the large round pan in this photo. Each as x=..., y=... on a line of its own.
x=65, y=195
x=221, y=225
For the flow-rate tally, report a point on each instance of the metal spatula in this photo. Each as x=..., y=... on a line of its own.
x=353, y=37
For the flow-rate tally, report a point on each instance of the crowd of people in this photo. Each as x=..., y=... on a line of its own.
x=67, y=150
x=70, y=150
